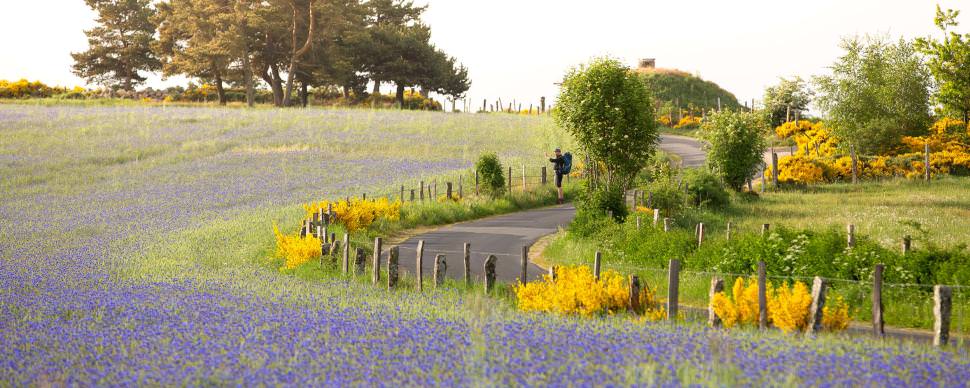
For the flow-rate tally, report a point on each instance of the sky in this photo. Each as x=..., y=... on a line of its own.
x=518, y=49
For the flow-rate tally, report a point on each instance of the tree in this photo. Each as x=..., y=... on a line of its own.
x=949, y=62
x=120, y=46
x=193, y=40
x=787, y=100
x=877, y=93
x=608, y=110
x=736, y=143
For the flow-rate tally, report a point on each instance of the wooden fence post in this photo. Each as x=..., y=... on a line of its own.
x=638, y=222
x=377, y=260
x=523, y=278
x=412, y=195
x=553, y=273
x=346, y=261
x=764, y=229
x=422, y=191
x=907, y=244
x=666, y=224
x=419, y=266
x=489, y=273
x=597, y=262
x=817, y=306
x=877, y=322
x=461, y=191
x=448, y=189
x=543, y=175
x=360, y=260
x=476, y=183
x=392, y=268
x=717, y=285
x=524, y=185
x=440, y=268
x=402, y=193
x=762, y=296
x=700, y=234
x=634, y=293
x=510, y=180
x=850, y=236
x=673, y=289
x=467, y=261
x=728, y=231
x=434, y=184
x=942, y=307
x=926, y=160
x=656, y=217
x=650, y=200
x=774, y=169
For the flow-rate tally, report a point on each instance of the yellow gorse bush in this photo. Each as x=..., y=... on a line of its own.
x=815, y=159
x=788, y=307
x=577, y=291
x=688, y=122
x=355, y=213
x=296, y=250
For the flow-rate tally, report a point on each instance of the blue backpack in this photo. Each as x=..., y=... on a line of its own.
x=567, y=163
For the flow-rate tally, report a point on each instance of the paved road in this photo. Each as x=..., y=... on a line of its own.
x=505, y=235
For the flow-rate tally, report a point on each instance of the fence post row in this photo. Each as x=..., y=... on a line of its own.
x=673, y=289
x=490, y=273
x=942, y=307
x=376, y=278
x=717, y=285
x=878, y=328
x=418, y=268
x=817, y=307
x=392, y=268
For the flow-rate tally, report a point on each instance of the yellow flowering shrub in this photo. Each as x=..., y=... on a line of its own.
x=576, y=291
x=688, y=122
x=788, y=307
x=835, y=314
x=357, y=213
x=296, y=250
x=664, y=120
x=800, y=169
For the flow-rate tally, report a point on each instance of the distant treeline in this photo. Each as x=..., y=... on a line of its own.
x=284, y=47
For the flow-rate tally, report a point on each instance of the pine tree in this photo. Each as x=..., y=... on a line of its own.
x=120, y=46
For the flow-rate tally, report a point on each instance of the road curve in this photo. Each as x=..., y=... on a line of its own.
x=505, y=235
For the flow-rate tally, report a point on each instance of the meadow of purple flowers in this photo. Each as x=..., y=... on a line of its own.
x=130, y=243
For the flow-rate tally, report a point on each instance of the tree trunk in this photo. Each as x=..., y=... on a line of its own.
x=304, y=94
x=966, y=116
x=400, y=95
x=297, y=53
x=250, y=87
x=219, y=89
x=377, y=87
x=277, y=85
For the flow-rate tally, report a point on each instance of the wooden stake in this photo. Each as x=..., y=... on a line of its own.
x=634, y=293
x=419, y=266
x=392, y=268
x=942, y=307
x=717, y=285
x=523, y=277
x=376, y=278
x=490, y=273
x=673, y=289
x=850, y=235
x=467, y=261
x=346, y=261
x=907, y=244
x=597, y=262
x=360, y=260
x=817, y=306
x=877, y=320
x=440, y=267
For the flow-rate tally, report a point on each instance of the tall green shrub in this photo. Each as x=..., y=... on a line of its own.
x=737, y=145
x=490, y=175
x=608, y=110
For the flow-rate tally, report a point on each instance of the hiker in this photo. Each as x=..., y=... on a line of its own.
x=559, y=166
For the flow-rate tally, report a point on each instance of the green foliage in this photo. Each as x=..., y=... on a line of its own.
x=737, y=143
x=787, y=100
x=490, y=174
x=949, y=62
x=705, y=189
x=688, y=91
x=603, y=201
x=608, y=110
x=120, y=45
x=877, y=93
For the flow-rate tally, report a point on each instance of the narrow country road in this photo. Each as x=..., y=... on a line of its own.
x=505, y=235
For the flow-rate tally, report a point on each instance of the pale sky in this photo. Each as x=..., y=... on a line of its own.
x=520, y=49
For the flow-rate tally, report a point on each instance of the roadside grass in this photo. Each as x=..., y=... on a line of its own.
x=807, y=239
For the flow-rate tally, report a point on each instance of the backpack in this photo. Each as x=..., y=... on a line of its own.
x=567, y=163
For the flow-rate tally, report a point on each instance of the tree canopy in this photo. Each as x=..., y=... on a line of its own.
x=787, y=100
x=290, y=45
x=949, y=62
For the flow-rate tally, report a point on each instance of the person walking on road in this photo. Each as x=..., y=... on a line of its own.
x=558, y=165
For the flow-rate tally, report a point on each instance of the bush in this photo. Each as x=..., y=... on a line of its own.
x=604, y=201
x=490, y=175
x=705, y=189
x=737, y=143
x=577, y=291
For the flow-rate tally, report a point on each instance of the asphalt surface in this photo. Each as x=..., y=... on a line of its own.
x=505, y=235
